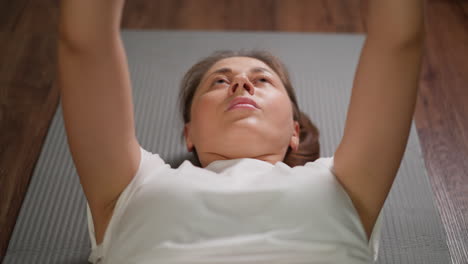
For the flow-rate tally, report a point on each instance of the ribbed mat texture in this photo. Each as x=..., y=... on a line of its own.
x=51, y=227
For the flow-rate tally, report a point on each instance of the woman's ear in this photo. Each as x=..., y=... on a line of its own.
x=294, y=143
x=188, y=141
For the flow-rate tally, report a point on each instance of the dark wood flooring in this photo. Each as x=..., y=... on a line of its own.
x=29, y=97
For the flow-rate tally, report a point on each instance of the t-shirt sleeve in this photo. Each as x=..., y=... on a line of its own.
x=149, y=162
x=375, y=234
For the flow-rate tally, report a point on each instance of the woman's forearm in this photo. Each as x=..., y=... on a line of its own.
x=395, y=20
x=89, y=22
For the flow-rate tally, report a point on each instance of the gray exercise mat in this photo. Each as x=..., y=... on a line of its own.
x=52, y=226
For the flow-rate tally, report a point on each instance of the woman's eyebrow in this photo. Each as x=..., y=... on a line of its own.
x=229, y=70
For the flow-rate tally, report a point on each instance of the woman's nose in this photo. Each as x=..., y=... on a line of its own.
x=244, y=83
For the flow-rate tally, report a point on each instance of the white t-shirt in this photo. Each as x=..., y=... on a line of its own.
x=234, y=211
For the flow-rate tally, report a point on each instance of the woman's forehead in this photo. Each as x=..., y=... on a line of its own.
x=239, y=64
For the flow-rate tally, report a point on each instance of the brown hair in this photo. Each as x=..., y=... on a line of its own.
x=309, y=147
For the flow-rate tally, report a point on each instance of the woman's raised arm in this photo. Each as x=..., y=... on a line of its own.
x=96, y=99
x=382, y=105
x=396, y=22
x=89, y=23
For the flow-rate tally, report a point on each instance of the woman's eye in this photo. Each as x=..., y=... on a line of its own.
x=219, y=81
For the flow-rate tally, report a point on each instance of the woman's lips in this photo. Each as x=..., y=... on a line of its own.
x=244, y=106
x=242, y=100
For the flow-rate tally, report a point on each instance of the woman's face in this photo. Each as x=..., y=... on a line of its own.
x=263, y=133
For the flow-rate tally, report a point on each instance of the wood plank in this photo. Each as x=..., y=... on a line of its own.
x=38, y=17
x=239, y=15
x=28, y=58
x=442, y=119
x=19, y=148
x=319, y=16
x=27, y=105
x=10, y=14
x=464, y=5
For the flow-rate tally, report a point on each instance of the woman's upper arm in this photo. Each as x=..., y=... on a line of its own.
x=378, y=124
x=97, y=108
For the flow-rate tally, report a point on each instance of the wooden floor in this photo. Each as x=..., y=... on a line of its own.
x=29, y=98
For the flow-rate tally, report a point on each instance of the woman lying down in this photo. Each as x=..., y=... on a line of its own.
x=258, y=192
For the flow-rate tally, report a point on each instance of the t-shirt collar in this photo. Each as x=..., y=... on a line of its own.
x=220, y=166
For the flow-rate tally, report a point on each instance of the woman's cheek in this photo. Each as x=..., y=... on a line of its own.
x=205, y=106
x=284, y=109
